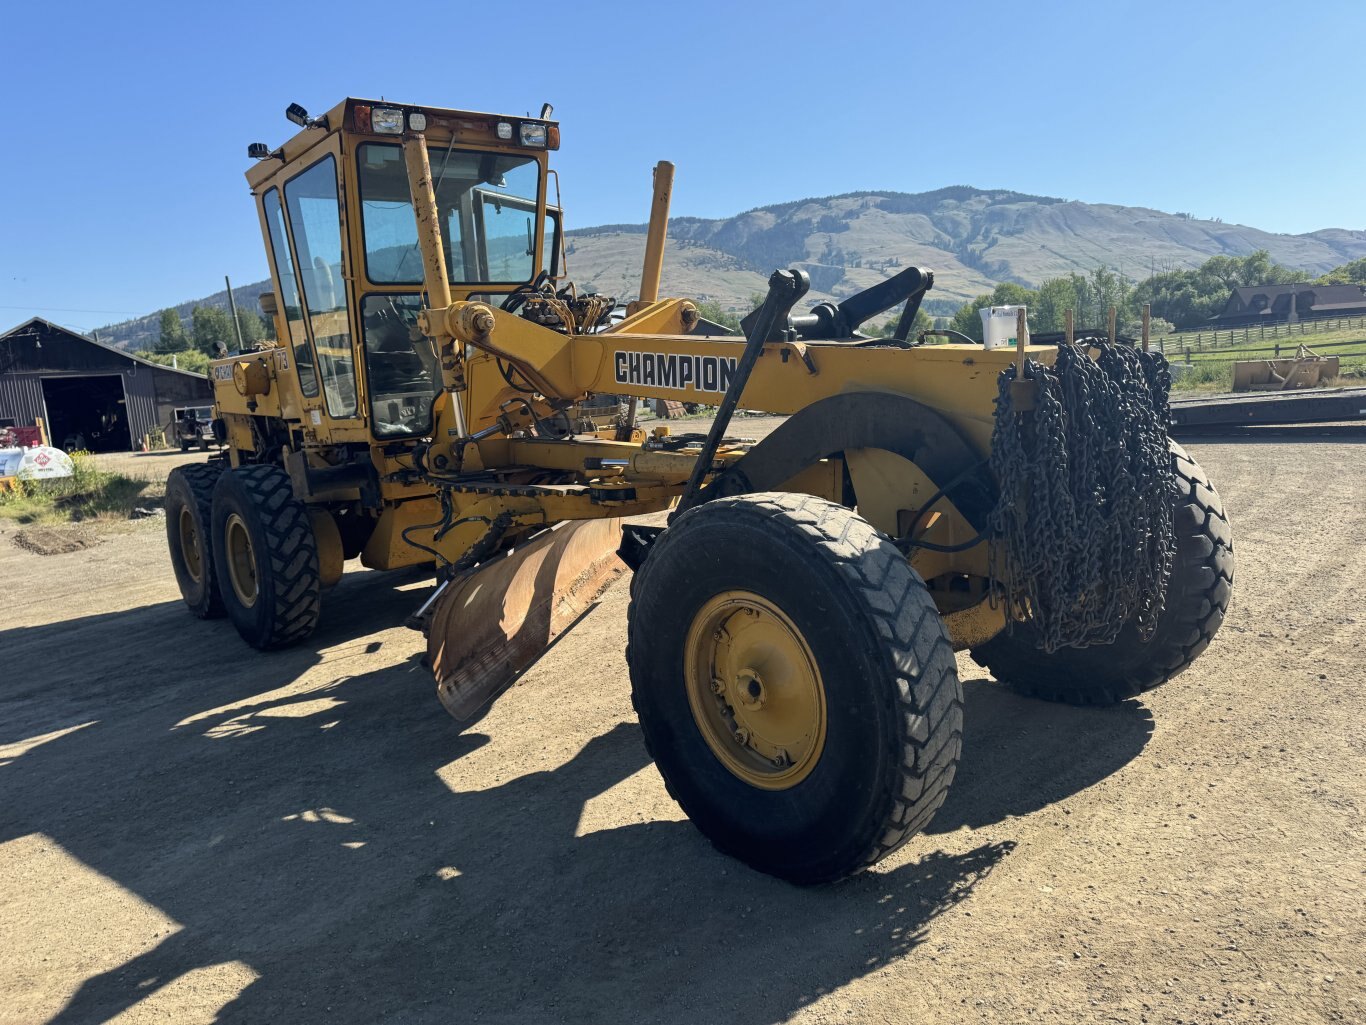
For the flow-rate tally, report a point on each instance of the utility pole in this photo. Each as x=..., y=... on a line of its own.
x=232, y=305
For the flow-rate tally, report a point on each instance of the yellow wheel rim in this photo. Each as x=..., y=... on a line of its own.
x=189, y=545
x=755, y=690
x=241, y=560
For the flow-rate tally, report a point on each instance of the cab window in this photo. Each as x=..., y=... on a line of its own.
x=290, y=302
x=487, y=204
x=401, y=373
x=315, y=220
x=550, y=246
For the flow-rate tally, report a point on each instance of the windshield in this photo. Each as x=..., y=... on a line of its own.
x=487, y=203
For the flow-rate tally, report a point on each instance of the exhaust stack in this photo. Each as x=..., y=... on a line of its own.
x=659, y=230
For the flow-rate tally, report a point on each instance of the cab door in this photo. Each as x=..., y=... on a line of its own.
x=315, y=214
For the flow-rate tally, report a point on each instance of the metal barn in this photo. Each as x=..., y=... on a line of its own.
x=90, y=395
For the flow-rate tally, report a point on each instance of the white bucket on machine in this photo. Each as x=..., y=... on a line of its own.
x=998, y=325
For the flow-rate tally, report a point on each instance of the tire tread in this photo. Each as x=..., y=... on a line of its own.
x=925, y=745
x=292, y=551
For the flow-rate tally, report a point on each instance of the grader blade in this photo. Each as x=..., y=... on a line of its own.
x=491, y=626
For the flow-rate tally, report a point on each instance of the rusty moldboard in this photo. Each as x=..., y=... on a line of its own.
x=491, y=626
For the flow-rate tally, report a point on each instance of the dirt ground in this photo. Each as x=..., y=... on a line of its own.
x=192, y=832
x=147, y=465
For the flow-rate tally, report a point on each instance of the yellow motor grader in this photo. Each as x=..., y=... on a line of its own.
x=792, y=627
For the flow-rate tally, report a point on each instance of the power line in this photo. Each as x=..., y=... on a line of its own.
x=64, y=309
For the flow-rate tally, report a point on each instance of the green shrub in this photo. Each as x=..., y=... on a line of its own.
x=89, y=493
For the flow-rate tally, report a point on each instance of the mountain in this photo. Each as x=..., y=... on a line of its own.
x=971, y=238
x=143, y=332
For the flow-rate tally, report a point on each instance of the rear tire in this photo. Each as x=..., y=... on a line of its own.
x=266, y=557
x=1197, y=598
x=189, y=533
x=184, y=444
x=871, y=682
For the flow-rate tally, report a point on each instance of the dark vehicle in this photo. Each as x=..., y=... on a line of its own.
x=194, y=426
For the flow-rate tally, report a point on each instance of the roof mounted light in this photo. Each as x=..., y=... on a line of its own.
x=504, y=130
x=417, y=121
x=386, y=121
x=296, y=113
x=258, y=151
x=533, y=134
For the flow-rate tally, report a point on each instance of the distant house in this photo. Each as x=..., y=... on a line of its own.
x=1270, y=304
x=90, y=395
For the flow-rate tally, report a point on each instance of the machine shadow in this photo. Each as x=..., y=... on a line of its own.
x=1022, y=754
x=325, y=840
x=83, y=669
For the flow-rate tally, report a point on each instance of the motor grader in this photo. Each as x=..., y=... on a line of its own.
x=795, y=610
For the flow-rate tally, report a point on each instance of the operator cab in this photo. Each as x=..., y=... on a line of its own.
x=342, y=237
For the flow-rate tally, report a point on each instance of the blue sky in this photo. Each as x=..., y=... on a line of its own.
x=122, y=167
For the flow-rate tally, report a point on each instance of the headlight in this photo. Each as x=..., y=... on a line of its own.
x=417, y=121
x=386, y=121
x=504, y=130
x=533, y=135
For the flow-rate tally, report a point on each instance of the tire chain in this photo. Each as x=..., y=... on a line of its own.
x=1082, y=538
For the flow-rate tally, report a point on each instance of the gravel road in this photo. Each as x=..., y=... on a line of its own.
x=193, y=832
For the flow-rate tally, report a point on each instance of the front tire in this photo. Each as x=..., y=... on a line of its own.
x=189, y=533
x=266, y=557
x=794, y=683
x=1197, y=598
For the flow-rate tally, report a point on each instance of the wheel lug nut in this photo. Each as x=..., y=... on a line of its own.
x=718, y=686
x=742, y=736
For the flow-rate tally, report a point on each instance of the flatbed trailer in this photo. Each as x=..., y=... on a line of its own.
x=1217, y=412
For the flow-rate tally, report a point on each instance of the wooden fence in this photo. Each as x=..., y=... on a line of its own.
x=1199, y=341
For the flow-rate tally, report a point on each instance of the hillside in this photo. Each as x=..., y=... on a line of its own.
x=971, y=238
x=143, y=332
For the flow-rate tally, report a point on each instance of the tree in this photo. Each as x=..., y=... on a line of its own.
x=253, y=329
x=212, y=326
x=1188, y=298
x=1054, y=298
x=923, y=322
x=711, y=310
x=1106, y=288
x=1353, y=273
x=173, y=337
x=191, y=359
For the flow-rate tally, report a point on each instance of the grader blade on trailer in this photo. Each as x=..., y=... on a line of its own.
x=1306, y=369
x=792, y=628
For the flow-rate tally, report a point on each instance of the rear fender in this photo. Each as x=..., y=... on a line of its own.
x=859, y=420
